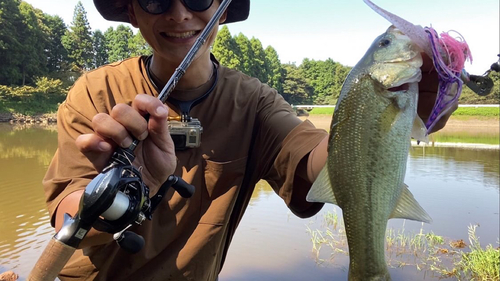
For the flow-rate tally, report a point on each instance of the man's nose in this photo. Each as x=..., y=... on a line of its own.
x=177, y=12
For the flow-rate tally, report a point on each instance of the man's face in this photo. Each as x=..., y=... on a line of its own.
x=173, y=33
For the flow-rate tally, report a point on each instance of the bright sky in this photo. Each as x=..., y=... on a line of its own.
x=340, y=29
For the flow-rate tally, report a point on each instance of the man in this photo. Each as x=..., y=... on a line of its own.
x=249, y=133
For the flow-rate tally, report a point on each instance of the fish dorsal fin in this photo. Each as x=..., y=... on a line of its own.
x=408, y=208
x=419, y=131
x=321, y=190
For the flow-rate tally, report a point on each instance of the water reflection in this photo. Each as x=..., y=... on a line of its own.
x=456, y=187
x=24, y=157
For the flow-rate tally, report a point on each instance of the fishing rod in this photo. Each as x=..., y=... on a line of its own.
x=117, y=197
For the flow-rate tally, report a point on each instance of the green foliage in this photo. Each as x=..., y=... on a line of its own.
x=322, y=110
x=478, y=111
x=260, y=63
x=10, y=42
x=296, y=90
x=479, y=263
x=100, y=49
x=226, y=50
x=138, y=46
x=326, y=78
x=34, y=41
x=57, y=55
x=461, y=111
x=78, y=40
x=275, y=73
x=117, y=42
x=44, y=98
x=246, y=54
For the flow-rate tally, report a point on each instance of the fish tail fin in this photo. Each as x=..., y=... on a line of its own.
x=321, y=190
x=408, y=208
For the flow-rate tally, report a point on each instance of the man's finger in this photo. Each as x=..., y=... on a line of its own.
x=109, y=128
x=95, y=148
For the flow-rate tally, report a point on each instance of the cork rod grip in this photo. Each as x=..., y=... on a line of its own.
x=51, y=262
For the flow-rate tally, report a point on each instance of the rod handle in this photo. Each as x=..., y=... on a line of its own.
x=51, y=262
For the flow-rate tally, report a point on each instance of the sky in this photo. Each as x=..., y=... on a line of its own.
x=340, y=29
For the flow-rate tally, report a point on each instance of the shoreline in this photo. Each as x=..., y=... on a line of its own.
x=17, y=118
x=455, y=125
x=458, y=124
x=457, y=145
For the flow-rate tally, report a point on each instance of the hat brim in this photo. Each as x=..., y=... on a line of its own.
x=116, y=10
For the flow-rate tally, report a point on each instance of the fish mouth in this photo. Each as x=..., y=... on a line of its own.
x=403, y=87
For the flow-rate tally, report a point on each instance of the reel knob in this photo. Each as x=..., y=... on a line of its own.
x=129, y=241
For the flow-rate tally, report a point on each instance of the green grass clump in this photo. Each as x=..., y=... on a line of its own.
x=466, y=137
x=461, y=111
x=477, y=111
x=479, y=263
x=322, y=110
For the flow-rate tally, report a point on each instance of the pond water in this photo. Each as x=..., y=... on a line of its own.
x=457, y=187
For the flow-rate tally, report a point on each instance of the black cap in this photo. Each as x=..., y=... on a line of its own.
x=116, y=10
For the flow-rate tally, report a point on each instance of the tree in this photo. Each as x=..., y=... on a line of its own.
x=117, y=42
x=246, y=54
x=275, y=71
x=10, y=45
x=226, y=50
x=296, y=90
x=33, y=60
x=57, y=56
x=78, y=40
x=100, y=49
x=260, y=64
x=322, y=77
x=138, y=46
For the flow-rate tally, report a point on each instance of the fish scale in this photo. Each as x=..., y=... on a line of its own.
x=368, y=149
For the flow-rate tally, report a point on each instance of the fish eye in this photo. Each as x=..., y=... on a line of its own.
x=384, y=43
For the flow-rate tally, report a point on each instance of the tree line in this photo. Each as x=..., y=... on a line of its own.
x=38, y=50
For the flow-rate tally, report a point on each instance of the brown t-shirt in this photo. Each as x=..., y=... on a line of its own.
x=249, y=133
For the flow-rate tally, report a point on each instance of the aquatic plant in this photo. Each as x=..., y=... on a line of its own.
x=425, y=251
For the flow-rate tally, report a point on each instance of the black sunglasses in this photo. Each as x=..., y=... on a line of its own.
x=157, y=7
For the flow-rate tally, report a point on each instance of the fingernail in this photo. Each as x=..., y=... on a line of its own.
x=104, y=146
x=161, y=110
x=143, y=136
x=126, y=142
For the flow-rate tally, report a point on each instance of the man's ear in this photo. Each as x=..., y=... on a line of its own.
x=131, y=16
x=223, y=17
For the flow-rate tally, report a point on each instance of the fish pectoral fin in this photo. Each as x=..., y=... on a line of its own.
x=419, y=131
x=408, y=208
x=321, y=190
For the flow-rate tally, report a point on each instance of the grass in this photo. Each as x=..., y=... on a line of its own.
x=486, y=112
x=466, y=137
x=424, y=251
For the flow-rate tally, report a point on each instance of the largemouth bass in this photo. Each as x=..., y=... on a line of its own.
x=370, y=137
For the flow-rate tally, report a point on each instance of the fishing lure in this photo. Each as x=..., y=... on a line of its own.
x=449, y=56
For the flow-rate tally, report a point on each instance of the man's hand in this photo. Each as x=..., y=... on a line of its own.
x=428, y=88
x=155, y=153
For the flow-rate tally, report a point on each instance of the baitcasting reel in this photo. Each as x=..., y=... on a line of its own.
x=481, y=84
x=116, y=199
